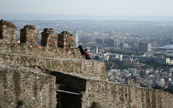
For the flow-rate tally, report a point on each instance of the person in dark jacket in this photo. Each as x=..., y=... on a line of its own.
x=81, y=50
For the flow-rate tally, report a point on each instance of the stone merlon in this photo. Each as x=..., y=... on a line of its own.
x=48, y=30
x=29, y=27
x=66, y=33
x=8, y=24
x=29, y=35
x=48, y=38
x=65, y=40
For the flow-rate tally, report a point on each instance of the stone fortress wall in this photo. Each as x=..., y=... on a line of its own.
x=111, y=95
x=78, y=67
x=47, y=76
x=30, y=54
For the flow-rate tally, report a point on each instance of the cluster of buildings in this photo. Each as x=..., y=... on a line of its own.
x=135, y=69
x=159, y=60
x=143, y=77
x=120, y=42
x=109, y=42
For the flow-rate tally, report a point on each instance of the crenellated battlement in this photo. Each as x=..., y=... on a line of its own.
x=29, y=41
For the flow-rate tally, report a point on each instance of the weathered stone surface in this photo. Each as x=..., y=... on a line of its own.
x=40, y=51
x=79, y=67
x=111, y=95
x=8, y=33
x=22, y=87
x=66, y=40
x=29, y=35
x=49, y=38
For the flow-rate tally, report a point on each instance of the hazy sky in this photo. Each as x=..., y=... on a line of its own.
x=88, y=7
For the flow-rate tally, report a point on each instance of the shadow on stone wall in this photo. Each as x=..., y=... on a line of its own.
x=95, y=105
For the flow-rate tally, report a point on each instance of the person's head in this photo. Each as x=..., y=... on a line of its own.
x=79, y=46
x=85, y=49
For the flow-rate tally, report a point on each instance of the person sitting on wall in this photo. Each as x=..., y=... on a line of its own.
x=81, y=50
x=87, y=55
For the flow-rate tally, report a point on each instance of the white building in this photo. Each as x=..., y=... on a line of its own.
x=76, y=41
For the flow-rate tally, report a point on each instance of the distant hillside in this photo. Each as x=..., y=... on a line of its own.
x=82, y=17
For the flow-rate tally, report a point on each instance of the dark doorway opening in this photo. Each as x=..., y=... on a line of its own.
x=67, y=99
